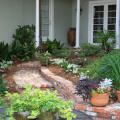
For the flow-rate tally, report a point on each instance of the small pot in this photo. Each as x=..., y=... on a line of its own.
x=100, y=100
x=118, y=95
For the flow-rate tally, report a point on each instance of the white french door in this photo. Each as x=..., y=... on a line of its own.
x=102, y=17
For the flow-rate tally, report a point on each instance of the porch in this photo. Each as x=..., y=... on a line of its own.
x=87, y=17
x=55, y=17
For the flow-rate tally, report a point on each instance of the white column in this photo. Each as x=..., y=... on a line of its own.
x=37, y=24
x=78, y=25
x=118, y=24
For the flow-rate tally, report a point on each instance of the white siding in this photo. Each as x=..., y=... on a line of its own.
x=13, y=13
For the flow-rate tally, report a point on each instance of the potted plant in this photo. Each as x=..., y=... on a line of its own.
x=100, y=96
x=94, y=91
x=43, y=105
x=45, y=58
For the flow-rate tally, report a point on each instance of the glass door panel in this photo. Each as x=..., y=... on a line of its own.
x=111, y=18
x=98, y=21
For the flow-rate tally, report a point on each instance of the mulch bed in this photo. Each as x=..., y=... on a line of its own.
x=61, y=72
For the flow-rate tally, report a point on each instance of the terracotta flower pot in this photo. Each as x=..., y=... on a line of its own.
x=118, y=95
x=100, y=100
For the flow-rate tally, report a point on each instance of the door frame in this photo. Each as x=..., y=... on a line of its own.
x=90, y=16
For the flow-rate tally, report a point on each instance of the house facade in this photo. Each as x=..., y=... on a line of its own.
x=53, y=18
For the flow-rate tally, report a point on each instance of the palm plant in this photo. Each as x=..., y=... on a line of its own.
x=107, y=40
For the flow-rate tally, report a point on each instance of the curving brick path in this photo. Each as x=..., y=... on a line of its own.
x=64, y=87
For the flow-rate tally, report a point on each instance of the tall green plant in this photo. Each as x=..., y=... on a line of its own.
x=23, y=45
x=107, y=40
x=4, y=51
x=110, y=68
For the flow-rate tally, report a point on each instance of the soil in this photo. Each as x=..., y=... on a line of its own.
x=61, y=72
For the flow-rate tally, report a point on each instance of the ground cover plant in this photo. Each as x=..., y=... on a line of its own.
x=37, y=102
x=3, y=87
x=51, y=45
x=89, y=50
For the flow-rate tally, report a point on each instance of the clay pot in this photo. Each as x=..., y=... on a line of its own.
x=100, y=100
x=118, y=95
x=71, y=36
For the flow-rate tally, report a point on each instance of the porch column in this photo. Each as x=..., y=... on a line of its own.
x=117, y=24
x=78, y=25
x=37, y=37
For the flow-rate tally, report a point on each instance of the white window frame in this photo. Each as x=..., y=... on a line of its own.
x=90, y=16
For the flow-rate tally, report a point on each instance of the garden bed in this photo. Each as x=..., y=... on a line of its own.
x=110, y=112
x=61, y=72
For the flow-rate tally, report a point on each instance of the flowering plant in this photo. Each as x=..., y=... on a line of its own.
x=87, y=87
x=104, y=86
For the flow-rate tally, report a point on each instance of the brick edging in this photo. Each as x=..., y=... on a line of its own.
x=64, y=86
x=108, y=112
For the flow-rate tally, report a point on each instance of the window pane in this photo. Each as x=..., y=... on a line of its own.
x=98, y=15
x=111, y=18
x=111, y=7
x=44, y=13
x=98, y=21
x=99, y=8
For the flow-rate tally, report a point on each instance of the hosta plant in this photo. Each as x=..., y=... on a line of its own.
x=68, y=67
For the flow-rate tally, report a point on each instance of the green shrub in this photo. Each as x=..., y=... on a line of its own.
x=23, y=45
x=106, y=67
x=44, y=58
x=110, y=68
x=3, y=88
x=37, y=102
x=4, y=51
x=61, y=53
x=89, y=50
x=52, y=45
x=5, y=64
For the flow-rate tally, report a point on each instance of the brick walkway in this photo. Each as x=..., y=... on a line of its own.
x=29, y=73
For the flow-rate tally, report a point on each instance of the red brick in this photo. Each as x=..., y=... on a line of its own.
x=80, y=107
x=106, y=115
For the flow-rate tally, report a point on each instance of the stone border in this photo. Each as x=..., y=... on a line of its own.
x=63, y=86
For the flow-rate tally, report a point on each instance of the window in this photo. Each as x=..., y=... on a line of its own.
x=102, y=17
x=44, y=14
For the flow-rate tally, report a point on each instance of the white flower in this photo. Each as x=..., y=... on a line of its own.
x=106, y=83
x=83, y=76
